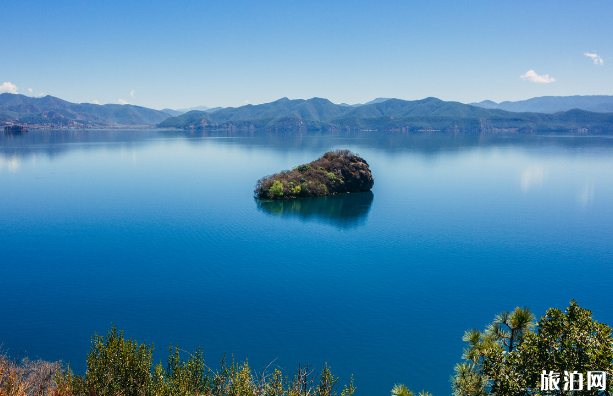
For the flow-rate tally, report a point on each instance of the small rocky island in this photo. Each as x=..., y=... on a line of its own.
x=335, y=172
x=15, y=129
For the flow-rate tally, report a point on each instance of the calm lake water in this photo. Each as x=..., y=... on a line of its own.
x=158, y=232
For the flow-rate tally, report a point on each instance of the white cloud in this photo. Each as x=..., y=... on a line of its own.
x=95, y=102
x=597, y=59
x=132, y=92
x=122, y=101
x=8, y=87
x=532, y=76
x=36, y=95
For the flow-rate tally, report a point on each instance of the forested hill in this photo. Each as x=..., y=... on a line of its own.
x=312, y=114
x=392, y=114
x=55, y=112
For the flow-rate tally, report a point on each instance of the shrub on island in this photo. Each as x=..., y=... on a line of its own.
x=339, y=171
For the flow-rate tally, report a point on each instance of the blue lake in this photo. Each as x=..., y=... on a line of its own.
x=159, y=233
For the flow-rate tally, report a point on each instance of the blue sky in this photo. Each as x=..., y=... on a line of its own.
x=228, y=53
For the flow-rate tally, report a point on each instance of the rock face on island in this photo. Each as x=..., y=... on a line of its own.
x=335, y=172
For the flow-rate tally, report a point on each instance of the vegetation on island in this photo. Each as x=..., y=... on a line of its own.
x=335, y=172
x=514, y=356
x=15, y=129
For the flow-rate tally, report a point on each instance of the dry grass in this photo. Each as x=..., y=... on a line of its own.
x=27, y=377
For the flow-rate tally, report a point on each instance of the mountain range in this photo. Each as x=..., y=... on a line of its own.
x=321, y=114
x=392, y=115
x=55, y=112
x=554, y=104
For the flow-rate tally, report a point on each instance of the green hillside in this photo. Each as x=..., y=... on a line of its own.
x=392, y=114
x=312, y=114
x=23, y=109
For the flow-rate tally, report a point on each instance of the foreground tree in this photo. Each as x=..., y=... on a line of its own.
x=402, y=390
x=502, y=336
x=512, y=359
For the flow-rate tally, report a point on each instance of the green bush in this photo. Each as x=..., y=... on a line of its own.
x=304, y=168
x=181, y=377
x=116, y=365
x=277, y=188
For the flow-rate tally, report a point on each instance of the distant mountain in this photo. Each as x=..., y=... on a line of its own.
x=428, y=114
x=175, y=113
x=554, y=104
x=486, y=104
x=50, y=111
x=213, y=109
x=377, y=100
x=199, y=108
x=391, y=114
x=316, y=109
x=172, y=112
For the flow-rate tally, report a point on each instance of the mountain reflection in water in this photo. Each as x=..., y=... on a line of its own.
x=342, y=210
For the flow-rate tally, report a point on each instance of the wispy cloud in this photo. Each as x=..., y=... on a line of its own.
x=8, y=87
x=37, y=95
x=122, y=101
x=597, y=59
x=132, y=92
x=95, y=102
x=532, y=76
